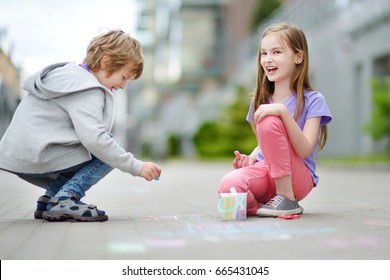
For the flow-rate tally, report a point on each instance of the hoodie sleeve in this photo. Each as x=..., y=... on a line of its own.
x=86, y=111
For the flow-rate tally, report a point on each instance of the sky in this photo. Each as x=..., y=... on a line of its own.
x=41, y=32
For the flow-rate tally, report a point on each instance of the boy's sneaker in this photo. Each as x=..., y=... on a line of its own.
x=71, y=208
x=41, y=206
x=279, y=205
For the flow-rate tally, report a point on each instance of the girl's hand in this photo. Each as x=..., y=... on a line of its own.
x=264, y=110
x=242, y=160
x=150, y=171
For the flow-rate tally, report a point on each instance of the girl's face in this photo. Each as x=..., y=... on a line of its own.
x=117, y=80
x=277, y=59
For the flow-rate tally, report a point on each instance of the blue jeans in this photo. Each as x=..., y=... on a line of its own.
x=73, y=181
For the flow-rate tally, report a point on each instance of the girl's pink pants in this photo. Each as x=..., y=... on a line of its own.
x=280, y=160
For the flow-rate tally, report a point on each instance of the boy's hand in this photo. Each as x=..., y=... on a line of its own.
x=242, y=160
x=150, y=171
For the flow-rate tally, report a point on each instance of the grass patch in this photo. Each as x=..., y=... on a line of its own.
x=356, y=159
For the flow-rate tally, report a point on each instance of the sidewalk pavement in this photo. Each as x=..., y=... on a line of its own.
x=346, y=217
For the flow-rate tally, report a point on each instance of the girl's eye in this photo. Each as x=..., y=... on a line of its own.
x=263, y=53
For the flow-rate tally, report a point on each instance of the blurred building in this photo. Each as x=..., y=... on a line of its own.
x=190, y=48
x=349, y=44
x=196, y=51
x=9, y=86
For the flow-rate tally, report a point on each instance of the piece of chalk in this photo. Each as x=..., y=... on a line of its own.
x=157, y=178
x=233, y=190
x=289, y=217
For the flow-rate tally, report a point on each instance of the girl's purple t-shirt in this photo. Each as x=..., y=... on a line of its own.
x=315, y=106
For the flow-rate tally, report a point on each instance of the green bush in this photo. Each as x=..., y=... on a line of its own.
x=379, y=125
x=173, y=145
x=230, y=132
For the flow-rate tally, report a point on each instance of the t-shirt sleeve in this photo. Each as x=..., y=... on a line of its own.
x=319, y=108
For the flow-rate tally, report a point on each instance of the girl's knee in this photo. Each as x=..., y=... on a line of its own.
x=232, y=180
x=269, y=127
x=269, y=123
x=225, y=184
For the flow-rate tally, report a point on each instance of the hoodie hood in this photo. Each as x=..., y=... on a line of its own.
x=60, y=79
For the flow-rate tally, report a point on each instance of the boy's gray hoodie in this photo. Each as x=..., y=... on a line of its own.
x=66, y=117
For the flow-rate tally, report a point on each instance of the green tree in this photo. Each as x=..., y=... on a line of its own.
x=379, y=124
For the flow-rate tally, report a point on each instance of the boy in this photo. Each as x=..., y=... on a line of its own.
x=59, y=138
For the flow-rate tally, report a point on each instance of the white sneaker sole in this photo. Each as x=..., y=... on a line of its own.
x=264, y=212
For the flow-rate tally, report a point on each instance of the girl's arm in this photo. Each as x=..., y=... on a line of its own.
x=255, y=152
x=303, y=141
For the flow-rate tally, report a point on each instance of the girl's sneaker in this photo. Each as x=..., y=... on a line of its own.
x=279, y=205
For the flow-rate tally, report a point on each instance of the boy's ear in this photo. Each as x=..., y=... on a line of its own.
x=105, y=62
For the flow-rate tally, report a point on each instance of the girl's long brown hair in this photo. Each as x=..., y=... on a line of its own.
x=296, y=40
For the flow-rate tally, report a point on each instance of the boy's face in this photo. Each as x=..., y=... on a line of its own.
x=117, y=80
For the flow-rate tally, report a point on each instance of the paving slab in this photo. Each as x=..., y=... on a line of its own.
x=346, y=218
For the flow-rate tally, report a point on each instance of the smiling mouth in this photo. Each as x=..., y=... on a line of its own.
x=271, y=69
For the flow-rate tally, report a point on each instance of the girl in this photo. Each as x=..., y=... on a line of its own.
x=289, y=120
x=60, y=136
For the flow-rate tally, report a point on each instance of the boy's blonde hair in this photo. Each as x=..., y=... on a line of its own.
x=119, y=49
x=296, y=40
